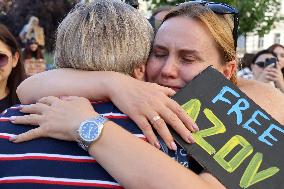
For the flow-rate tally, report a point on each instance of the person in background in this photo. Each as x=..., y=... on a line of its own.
x=278, y=49
x=33, y=58
x=244, y=66
x=158, y=16
x=32, y=30
x=11, y=68
x=32, y=50
x=265, y=67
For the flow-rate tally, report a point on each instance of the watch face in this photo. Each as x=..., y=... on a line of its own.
x=89, y=131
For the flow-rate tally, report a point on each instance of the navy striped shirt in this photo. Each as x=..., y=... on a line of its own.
x=52, y=164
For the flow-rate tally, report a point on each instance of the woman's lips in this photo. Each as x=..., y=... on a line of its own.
x=175, y=88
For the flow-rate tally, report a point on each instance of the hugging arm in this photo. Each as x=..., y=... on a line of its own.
x=141, y=101
x=63, y=82
x=136, y=164
x=153, y=168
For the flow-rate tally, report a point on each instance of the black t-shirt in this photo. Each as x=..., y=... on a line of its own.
x=5, y=103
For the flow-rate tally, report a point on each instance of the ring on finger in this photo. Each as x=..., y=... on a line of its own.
x=156, y=118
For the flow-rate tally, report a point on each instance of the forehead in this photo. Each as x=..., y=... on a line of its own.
x=279, y=50
x=264, y=56
x=4, y=48
x=184, y=32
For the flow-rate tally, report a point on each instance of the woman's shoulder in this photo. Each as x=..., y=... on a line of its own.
x=266, y=96
x=252, y=85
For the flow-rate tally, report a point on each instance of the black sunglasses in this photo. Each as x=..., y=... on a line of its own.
x=221, y=8
x=3, y=59
x=267, y=62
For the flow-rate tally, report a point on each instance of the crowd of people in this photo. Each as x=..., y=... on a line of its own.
x=107, y=51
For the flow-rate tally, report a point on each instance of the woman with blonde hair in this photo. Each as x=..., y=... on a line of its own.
x=32, y=30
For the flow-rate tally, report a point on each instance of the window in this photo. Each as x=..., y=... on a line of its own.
x=277, y=38
x=260, y=42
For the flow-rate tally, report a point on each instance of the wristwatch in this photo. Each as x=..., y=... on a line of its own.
x=90, y=130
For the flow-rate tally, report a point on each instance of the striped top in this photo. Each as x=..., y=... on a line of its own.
x=53, y=164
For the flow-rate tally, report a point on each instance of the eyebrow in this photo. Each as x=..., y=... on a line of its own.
x=3, y=52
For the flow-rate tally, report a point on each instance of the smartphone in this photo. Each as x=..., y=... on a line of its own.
x=269, y=61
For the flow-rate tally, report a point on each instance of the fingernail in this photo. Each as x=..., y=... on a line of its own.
x=12, y=118
x=157, y=145
x=20, y=107
x=173, y=146
x=195, y=127
x=63, y=97
x=13, y=138
x=190, y=138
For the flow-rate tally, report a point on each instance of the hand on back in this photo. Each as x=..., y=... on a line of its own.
x=56, y=118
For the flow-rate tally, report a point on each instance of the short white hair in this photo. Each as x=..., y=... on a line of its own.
x=103, y=35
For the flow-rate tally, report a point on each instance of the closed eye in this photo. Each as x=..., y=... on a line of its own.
x=159, y=53
x=188, y=60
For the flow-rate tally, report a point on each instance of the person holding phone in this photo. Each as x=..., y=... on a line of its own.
x=265, y=68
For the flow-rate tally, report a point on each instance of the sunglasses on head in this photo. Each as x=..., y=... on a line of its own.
x=222, y=8
x=3, y=59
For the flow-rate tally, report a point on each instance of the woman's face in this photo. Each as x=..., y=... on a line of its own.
x=182, y=49
x=255, y=68
x=33, y=46
x=7, y=61
x=279, y=51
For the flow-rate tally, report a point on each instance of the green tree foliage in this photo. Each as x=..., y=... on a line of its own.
x=256, y=16
x=49, y=12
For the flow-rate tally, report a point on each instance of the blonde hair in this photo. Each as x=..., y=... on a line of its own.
x=220, y=27
x=33, y=20
x=103, y=35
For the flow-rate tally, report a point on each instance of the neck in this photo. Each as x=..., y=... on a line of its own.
x=4, y=91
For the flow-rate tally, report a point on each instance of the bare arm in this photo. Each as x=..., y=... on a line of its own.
x=141, y=101
x=63, y=82
x=143, y=165
x=136, y=164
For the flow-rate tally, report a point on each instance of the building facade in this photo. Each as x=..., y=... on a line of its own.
x=256, y=43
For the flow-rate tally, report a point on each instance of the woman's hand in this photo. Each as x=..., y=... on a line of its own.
x=275, y=74
x=271, y=73
x=56, y=118
x=148, y=104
